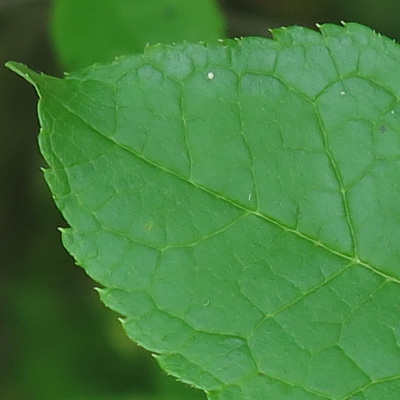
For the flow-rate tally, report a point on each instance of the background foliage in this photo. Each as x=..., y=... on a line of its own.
x=56, y=339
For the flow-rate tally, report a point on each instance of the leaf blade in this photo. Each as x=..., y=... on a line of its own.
x=251, y=219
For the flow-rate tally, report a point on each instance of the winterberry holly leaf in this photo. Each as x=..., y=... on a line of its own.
x=89, y=31
x=239, y=204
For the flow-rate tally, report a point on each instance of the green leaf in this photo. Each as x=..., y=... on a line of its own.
x=239, y=202
x=89, y=31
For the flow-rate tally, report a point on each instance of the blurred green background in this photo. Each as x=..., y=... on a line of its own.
x=57, y=341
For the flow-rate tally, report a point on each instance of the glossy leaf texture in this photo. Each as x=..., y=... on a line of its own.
x=239, y=203
x=89, y=31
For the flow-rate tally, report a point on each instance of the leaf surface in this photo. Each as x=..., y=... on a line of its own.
x=239, y=202
x=89, y=31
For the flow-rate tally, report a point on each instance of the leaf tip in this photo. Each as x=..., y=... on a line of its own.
x=23, y=71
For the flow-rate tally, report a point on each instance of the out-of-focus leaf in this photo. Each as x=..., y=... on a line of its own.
x=90, y=31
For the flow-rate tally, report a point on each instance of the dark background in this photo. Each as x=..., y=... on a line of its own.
x=57, y=341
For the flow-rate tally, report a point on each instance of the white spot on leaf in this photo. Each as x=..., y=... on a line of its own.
x=210, y=76
x=342, y=92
